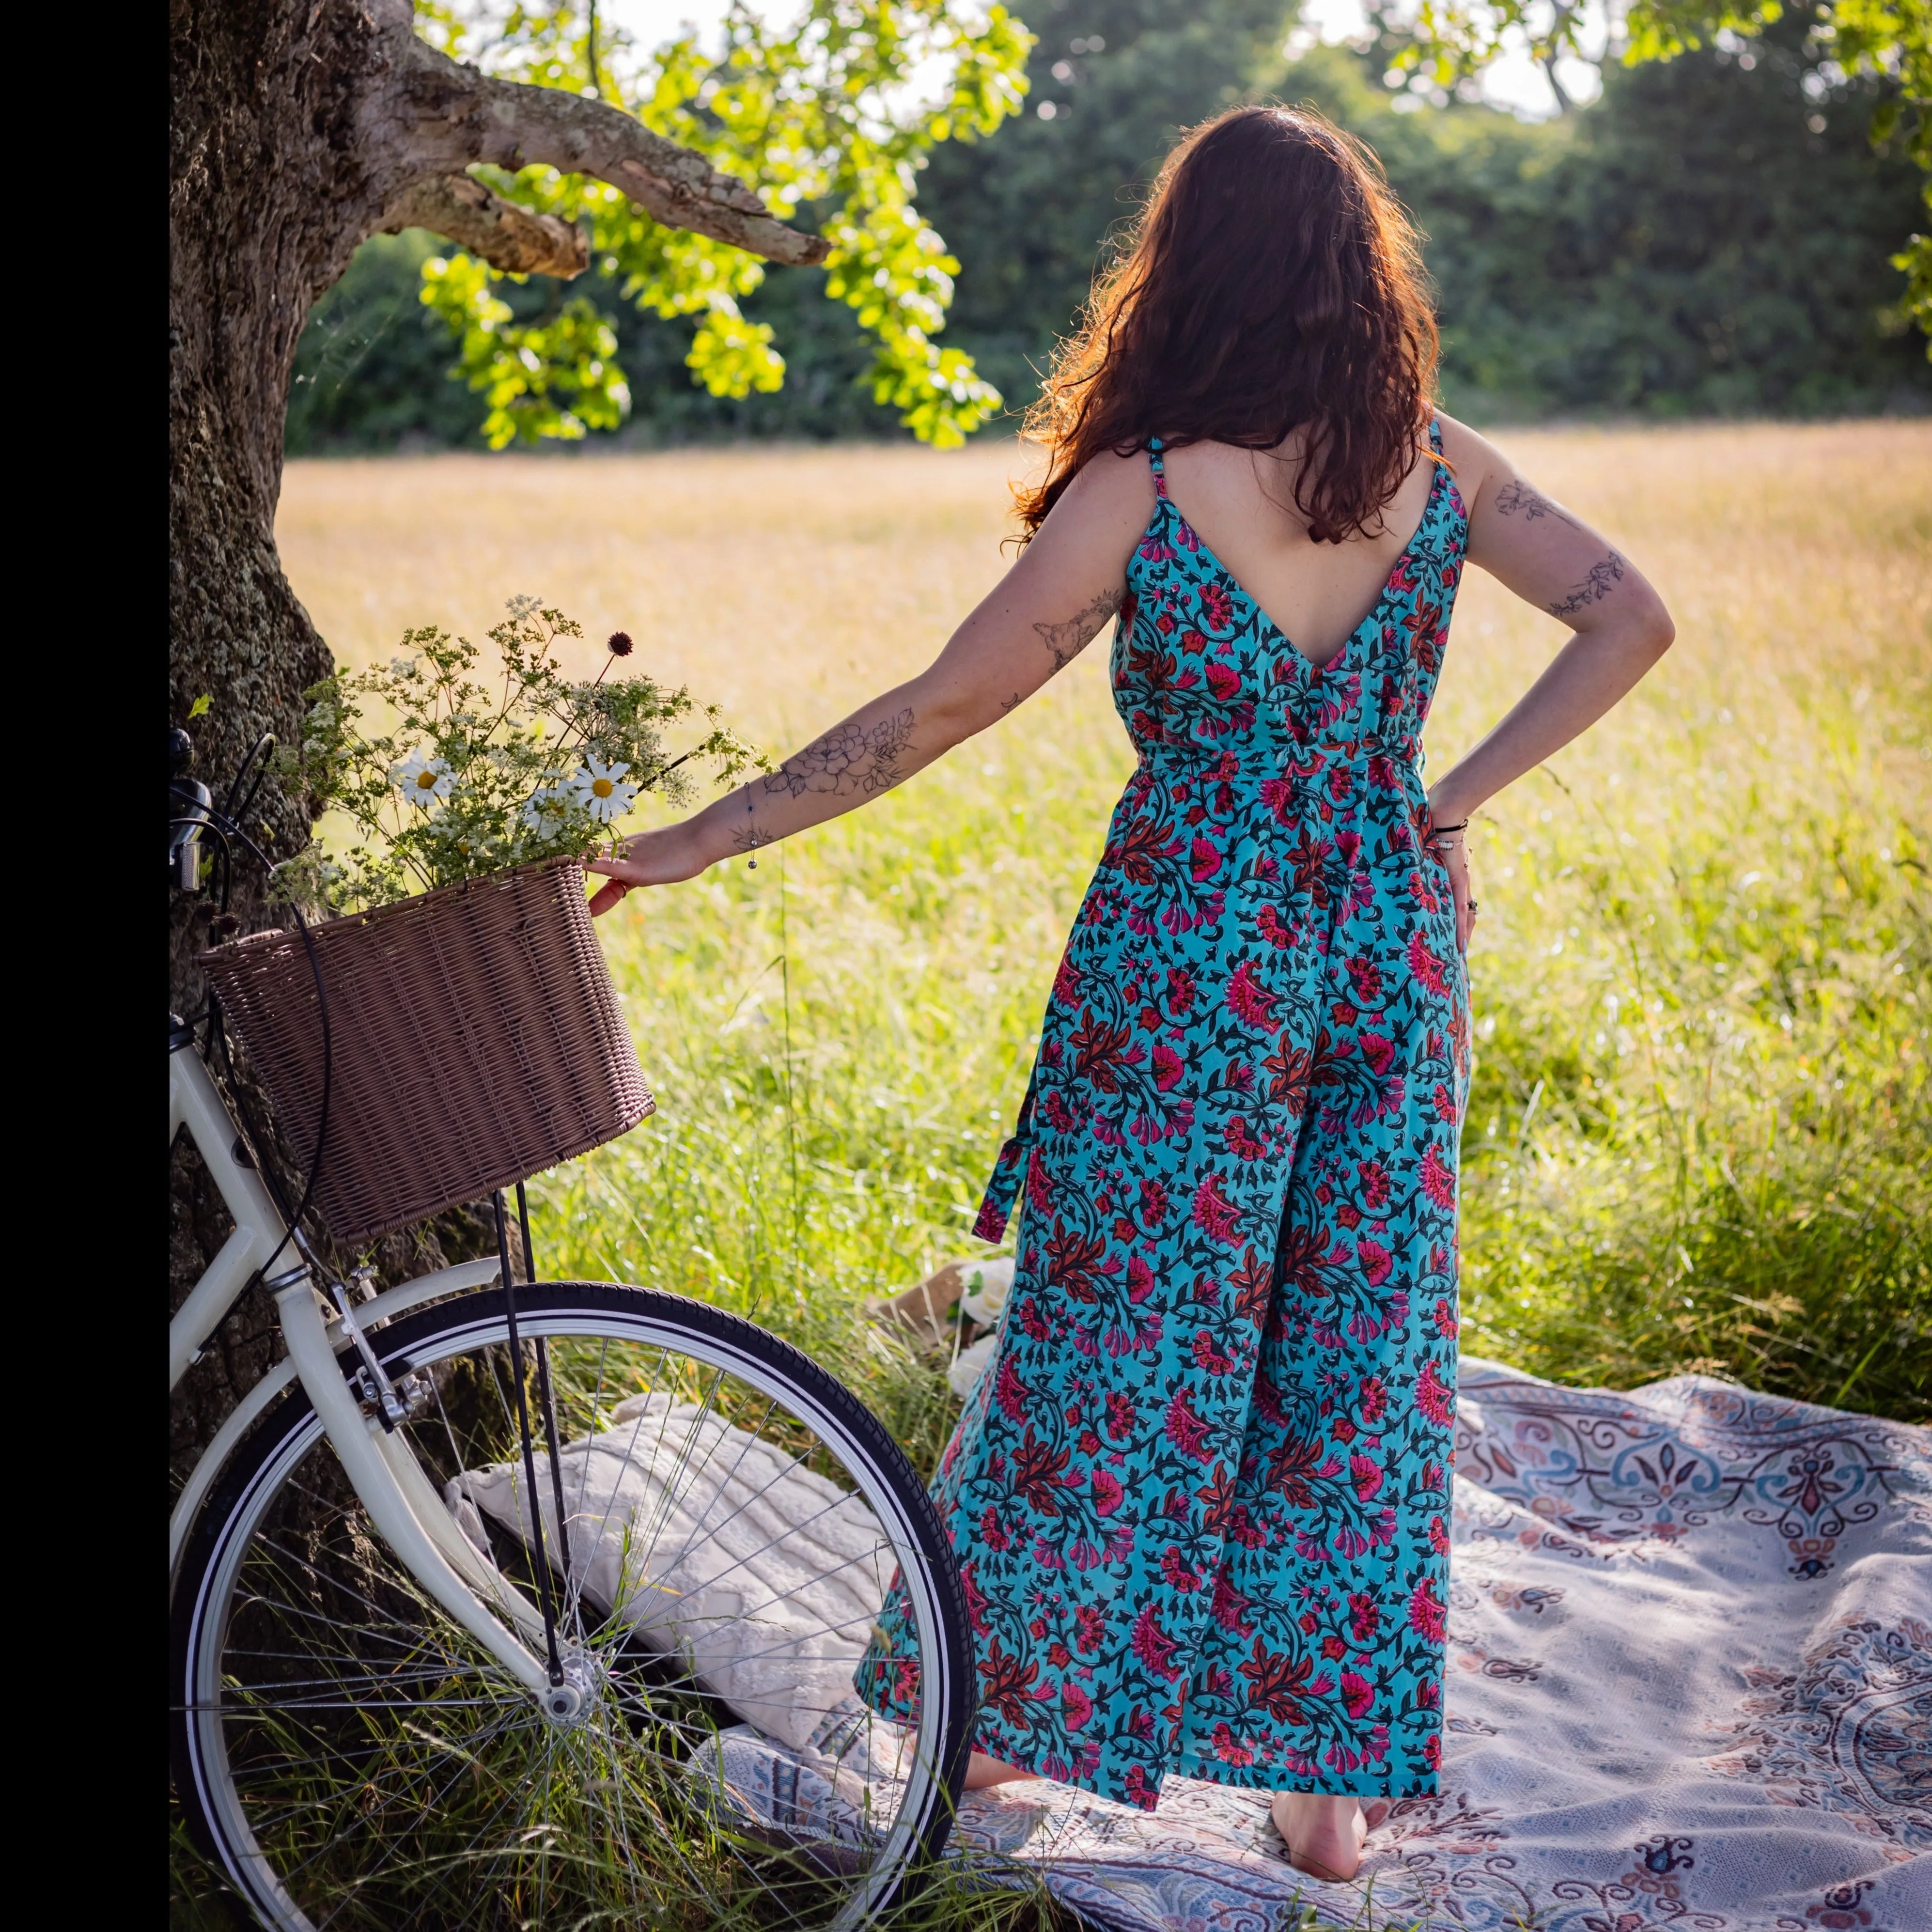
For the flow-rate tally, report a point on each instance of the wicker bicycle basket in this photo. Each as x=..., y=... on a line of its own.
x=475, y=1040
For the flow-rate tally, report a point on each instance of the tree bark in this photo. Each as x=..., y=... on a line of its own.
x=299, y=128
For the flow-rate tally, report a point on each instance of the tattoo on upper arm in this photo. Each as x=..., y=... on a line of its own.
x=1602, y=579
x=1515, y=495
x=1066, y=641
x=1012, y=703
x=850, y=757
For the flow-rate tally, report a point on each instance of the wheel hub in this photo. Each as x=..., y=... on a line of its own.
x=569, y=1704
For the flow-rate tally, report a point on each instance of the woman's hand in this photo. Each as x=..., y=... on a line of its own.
x=1450, y=848
x=660, y=858
x=1456, y=857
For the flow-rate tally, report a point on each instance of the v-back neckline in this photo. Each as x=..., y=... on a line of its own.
x=1309, y=667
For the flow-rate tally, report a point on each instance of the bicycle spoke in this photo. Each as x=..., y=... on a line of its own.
x=388, y=1770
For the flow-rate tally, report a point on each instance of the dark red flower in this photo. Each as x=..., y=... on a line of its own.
x=620, y=643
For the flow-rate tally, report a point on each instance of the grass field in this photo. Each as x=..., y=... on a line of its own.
x=1698, y=1136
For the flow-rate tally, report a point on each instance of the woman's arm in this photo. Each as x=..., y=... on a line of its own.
x=1068, y=582
x=1549, y=558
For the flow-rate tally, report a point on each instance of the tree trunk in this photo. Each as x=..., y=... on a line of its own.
x=265, y=207
x=300, y=127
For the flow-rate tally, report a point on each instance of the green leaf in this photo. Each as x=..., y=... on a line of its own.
x=200, y=704
x=833, y=112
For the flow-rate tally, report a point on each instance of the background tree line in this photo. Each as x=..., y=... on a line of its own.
x=1711, y=237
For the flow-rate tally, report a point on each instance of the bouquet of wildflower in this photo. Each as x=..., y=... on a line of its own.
x=470, y=778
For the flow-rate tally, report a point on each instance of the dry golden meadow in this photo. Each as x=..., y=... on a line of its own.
x=1699, y=1135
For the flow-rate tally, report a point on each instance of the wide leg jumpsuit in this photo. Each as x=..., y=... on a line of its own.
x=1200, y=1497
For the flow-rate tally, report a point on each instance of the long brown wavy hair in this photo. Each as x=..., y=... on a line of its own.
x=1273, y=284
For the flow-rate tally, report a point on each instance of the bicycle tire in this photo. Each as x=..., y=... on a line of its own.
x=228, y=1537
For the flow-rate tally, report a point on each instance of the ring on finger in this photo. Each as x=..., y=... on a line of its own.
x=1470, y=904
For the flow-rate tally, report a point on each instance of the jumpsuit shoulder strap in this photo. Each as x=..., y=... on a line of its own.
x=1157, y=464
x=1435, y=434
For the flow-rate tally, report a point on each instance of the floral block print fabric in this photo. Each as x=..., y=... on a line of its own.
x=1200, y=1496
x=1689, y=1685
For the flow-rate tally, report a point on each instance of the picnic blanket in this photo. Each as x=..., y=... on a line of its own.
x=1690, y=1685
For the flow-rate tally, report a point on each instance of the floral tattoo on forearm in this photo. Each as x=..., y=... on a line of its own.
x=1517, y=496
x=1066, y=641
x=1603, y=578
x=850, y=757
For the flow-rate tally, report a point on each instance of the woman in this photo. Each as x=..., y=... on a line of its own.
x=1200, y=1497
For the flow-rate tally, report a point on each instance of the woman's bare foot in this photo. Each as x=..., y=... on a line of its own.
x=1324, y=1835
x=982, y=1771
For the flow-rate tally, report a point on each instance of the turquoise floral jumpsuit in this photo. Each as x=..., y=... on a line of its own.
x=1200, y=1497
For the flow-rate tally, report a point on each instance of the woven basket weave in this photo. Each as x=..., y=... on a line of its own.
x=476, y=1040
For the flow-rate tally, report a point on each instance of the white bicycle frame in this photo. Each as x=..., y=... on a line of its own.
x=403, y=1502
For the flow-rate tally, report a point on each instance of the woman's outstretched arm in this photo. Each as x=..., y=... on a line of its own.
x=1067, y=584
x=1549, y=557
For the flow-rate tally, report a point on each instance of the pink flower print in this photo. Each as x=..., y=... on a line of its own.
x=1214, y=1214
x=1446, y=1324
x=1175, y=1571
x=1267, y=921
x=1230, y=1607
x=1438, y=1182
x=1366, y=978
x=1120, y=1415
x=1375, y=1186
x=1446, y=1108
x=1372, y=1402
x=1249, y=1003
x=1377, y=1263
x=1439, y=1536
x=1358, y=1694
x=1039, y=1183
x=1139, y=1792
x=1209, y=1357
x=1090, y=1626
x=1223, y=680
x=1185, y=1430
x=1341, y=784
x=1067, y=985
x=1364, y=1619
x=1108, y=1494
x=1204, y=861
x=1434, y=1401
x=1217, y=607
x=1241, y=1141
x=1155, y=1648
x=1277, y=794
x=1008, y=1391
x=1227, y=1750
x=1425, y=1613
x=1379, y=1052
x=1428, y=970
x=1365, y=1473
x=1076, y=1708
x=1167, y=1067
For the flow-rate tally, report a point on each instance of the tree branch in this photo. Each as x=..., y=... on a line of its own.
x=443, y=117
x=506, y=236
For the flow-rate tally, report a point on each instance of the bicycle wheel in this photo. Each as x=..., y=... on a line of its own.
x=351, y=1757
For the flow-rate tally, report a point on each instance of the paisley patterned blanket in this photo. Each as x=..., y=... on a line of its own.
x=1690, y=1685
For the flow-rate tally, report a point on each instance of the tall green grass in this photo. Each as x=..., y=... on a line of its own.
x=1699, y=1135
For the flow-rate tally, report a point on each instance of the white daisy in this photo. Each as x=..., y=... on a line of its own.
x=423, y=781
x=542, y=810
x=598, y=790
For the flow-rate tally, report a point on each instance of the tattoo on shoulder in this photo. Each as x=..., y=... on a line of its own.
x=851, y=757
x=1516, y=495
x=1066, y=641
x=1602, y=579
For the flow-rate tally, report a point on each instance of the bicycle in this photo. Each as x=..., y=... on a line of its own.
x=418, y=1678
